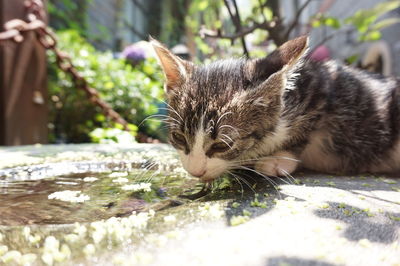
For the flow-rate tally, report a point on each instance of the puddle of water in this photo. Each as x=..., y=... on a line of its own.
x=105, y=191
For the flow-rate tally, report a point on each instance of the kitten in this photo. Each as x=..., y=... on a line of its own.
x=279, y=113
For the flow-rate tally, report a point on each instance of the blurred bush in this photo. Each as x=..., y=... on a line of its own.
x=112, y=135
x=133, y=91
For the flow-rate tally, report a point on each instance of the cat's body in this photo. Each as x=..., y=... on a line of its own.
x=280, y=112
x=343, y=120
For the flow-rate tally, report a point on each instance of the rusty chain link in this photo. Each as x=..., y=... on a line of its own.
x=36, y=15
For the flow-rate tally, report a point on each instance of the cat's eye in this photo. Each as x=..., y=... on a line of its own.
x=178, y=138
x=220, y=147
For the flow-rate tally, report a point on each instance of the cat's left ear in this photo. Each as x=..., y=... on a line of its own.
x=175, y=69
x=283, y=61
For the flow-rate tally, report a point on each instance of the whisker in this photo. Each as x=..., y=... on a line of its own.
x=276, y=186
x=224, y=141
x=229, y=138
x=171, y=118
x=282, y=157
x=231, y=127
x=288, y=175
x=166, y=118
x=219, y=119
x=151, y=117
x=172, y=109
x=167, y=124
x=170, y=124
x=249, y=176
x=238, y=180
x=245, y=182
x=266, y=158
x=150, y=178
x=283, y=180
x=147, y=170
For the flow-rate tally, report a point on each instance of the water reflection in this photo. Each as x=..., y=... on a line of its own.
x=24, y=192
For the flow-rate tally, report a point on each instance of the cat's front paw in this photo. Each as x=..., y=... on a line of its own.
x=279, y=164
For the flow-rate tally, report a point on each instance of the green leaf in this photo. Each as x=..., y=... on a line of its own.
x=384, y=23
x=316, y=23
x=363, y=19
x=352, y=59
x=100, y=118
x=332, y=22
x=372, y=36
x=321, y=19
x=218, y=24
x=202, y=5
x=268, y=13
x=133, y=128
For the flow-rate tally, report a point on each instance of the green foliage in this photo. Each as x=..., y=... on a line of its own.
x=363, y=19
x=212, y=18
x=323, y=20
x=113, y=135
x=367, y=22
x=207, y=14
x=352, y=59
x=134, y=92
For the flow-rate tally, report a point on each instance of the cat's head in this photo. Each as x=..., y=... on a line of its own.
x=220, y=114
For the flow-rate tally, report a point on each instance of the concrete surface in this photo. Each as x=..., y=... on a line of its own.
x=314, y=219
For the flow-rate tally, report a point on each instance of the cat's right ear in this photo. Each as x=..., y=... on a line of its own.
x=175, y=69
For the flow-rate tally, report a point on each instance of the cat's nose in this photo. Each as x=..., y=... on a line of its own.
x=198, y=173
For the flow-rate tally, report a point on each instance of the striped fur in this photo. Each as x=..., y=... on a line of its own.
x=325, y=116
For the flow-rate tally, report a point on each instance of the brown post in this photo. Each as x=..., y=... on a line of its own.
x=23, y=84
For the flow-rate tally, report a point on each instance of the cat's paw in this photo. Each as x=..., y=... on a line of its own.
x=279, y=164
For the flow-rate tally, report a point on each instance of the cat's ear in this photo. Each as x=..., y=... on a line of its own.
x=276, y=72
x=286, y=58
x=175, y=69
x=290, y=53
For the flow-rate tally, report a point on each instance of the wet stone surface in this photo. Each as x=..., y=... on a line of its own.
x=88, y=193
x=135, y=205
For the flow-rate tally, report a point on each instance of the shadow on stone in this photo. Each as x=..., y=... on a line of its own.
x=364, y=182
x=254, y=196
x=294, y=261
x=359, y=223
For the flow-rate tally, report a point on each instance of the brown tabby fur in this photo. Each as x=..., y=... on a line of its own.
x=281, y=112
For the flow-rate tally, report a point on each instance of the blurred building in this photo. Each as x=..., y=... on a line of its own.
x=114, y=24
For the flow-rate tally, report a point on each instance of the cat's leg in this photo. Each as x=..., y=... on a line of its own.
x=278, y=164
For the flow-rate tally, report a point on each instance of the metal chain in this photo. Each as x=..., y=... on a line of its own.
x=36, y=15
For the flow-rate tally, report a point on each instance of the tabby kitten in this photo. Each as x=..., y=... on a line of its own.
x=279, y=113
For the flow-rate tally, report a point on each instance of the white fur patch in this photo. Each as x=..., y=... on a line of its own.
x=274, y=142
x=196, y=161
x=280, y=164
x=198, y=164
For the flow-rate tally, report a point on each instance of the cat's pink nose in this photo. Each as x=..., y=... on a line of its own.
x=199, y=173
